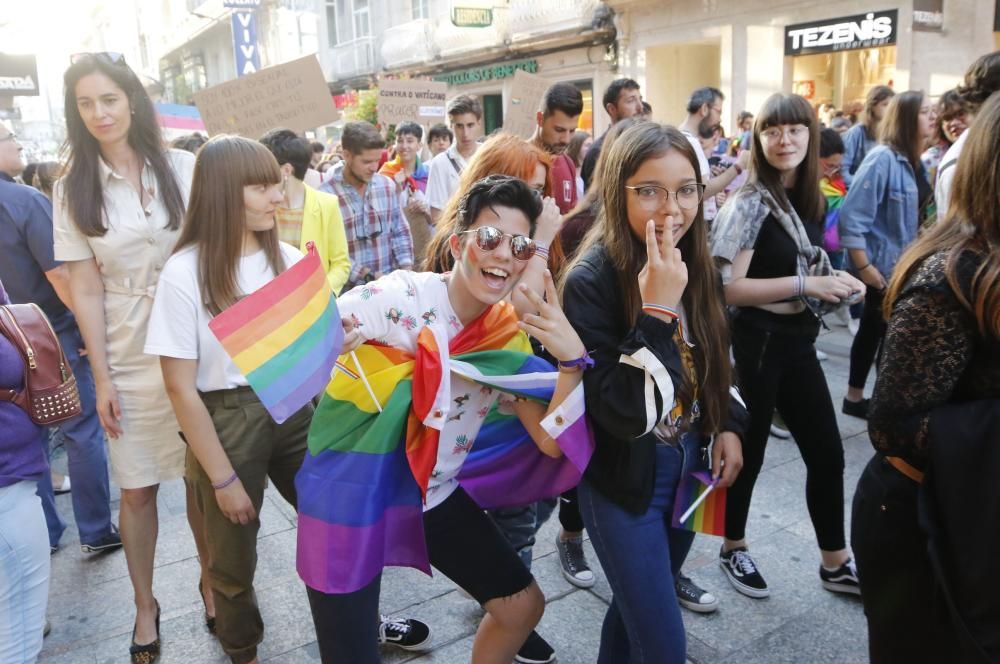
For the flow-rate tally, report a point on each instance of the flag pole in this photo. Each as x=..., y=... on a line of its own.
x=364, y=379
x=699, y=501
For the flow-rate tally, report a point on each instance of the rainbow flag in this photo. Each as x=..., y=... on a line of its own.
x=285, y=336
x=361, y=485
x=710, y=516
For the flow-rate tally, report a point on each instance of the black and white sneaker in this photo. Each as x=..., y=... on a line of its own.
x=535, y=650
x=741, y=570
x=109, y=542
x=844, y=579
x=405, y=633
x=693, y=597
x=574, y=563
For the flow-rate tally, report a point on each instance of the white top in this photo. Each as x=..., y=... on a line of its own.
x=393, y=310
x=945, y=174
x=442, y=176
x=708, y=204
x=178, y=325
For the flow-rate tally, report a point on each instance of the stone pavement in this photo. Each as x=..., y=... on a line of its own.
x=91, y=606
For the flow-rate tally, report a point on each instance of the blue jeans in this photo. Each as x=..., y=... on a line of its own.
x=641, y=555
x=24, y=574
x=88, y=458
x=520, y=525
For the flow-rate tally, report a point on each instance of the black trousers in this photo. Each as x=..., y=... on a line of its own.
x=781, y=371
x=868, y=340
x=569, y=512
x=907, y=618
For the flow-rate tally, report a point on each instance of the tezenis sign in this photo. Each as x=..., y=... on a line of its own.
x=869, y=30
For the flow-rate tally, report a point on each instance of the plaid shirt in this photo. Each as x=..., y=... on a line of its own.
x=378, y=237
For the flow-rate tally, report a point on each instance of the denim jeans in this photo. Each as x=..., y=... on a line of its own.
x=520, y=525
x=24, y=574
x=88, y=458
x=641, y=555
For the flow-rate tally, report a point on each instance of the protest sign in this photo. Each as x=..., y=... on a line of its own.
x=419, y=101
x=293, y=95
x=526, y=93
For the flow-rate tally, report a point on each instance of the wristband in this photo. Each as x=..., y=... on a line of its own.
x=582, y=362
x=800, y=286
x=652, y=308
x=225, y=483
x=542, y=251
x=862, y=269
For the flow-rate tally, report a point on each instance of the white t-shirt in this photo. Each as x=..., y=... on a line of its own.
x=393, y=310
x=178, y=325
x=945, y=174
x=708, y=205
x=442, y=176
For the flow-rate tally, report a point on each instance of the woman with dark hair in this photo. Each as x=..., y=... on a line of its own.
x=935, y=410
x=952, y=120
x=643, y=295
x=860, y=139
x=880, y=217
x=767, y=242
x=117, y=213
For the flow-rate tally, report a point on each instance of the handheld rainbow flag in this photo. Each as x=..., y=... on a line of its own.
x=285, y=337
x=699, y=491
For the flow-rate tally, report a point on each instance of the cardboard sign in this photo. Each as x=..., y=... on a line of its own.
x=419, y=101
x=293, y=96
x=526, y=93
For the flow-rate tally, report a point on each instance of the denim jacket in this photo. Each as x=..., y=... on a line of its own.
x=881, y=211
x=857, y=144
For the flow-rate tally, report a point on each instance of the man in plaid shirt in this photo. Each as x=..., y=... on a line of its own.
x=378, y=237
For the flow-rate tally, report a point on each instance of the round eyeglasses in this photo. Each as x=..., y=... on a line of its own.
x=653, y=197
x=488, y=238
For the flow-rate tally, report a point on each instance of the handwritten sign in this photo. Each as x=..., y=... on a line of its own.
x=419, y=101
x=523, y=103
x=293, y=95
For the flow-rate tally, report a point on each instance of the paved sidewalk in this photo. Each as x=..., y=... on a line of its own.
x=91, y=607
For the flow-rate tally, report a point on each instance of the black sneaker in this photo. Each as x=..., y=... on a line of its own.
x=535, y=650
x=574, y=563
x=844, y=579
x=405, y=633
x=109, y=542
x=856, y=408
x=693, y=597
x=742, y=572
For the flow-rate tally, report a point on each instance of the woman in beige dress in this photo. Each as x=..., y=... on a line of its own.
x=117, y=216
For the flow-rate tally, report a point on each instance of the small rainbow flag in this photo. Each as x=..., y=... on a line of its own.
x=710, y=516
x=285, y=337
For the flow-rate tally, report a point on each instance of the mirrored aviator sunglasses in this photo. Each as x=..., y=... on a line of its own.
x=108, y=57
x=488, y=238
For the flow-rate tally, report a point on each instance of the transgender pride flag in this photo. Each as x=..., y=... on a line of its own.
x=285, y=337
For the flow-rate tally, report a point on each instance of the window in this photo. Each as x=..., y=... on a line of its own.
x=419, y=9
x=331, y=23
x=362, y=19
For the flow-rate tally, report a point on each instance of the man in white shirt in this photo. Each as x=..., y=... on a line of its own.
x=465, y=115
x=704, y=115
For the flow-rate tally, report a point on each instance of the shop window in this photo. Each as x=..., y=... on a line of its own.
x=331, y=23
x=492, y=113
x=362, y=19
x=586, y=121
x=844, y=78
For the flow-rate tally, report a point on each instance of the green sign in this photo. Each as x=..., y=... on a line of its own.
x=471, y=17
x=490, y=73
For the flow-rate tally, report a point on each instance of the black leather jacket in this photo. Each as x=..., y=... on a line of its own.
x=634, y=367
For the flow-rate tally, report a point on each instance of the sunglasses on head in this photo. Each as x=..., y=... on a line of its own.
x=108, y=57
x=488, y=238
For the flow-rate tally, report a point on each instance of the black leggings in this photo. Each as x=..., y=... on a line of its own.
x=780, y=370
x=569, y=512
x=868, y=341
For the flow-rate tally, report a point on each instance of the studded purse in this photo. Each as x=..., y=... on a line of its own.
x=50, y=394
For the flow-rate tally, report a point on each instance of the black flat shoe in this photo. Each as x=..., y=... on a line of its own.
x=209, y=620
x=856, y=408
x=149, y=653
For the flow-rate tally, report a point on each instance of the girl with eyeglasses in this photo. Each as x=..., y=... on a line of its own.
x=767, y=241
x=643, y=295
x=491, y=245
x=117, y=215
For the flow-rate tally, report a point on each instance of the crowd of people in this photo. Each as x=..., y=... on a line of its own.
x=671, y=280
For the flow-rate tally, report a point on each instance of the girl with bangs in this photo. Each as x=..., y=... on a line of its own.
x=659, y=392
x=228, y=248
x=767, y=242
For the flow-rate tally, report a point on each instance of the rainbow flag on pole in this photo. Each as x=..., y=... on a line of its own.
x=285, y=337
x=710, y=516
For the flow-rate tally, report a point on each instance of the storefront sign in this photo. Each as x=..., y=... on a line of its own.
x=245, y=44
x=491, y=73
x=842, y=34
x=292, y=95
x=471, y=17
x=18, y=76
x=419, y=101
x=928, y=15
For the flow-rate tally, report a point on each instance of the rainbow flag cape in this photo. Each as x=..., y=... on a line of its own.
x=710, y=516
x=285, y=336
x=361, y=486
x=834, y=191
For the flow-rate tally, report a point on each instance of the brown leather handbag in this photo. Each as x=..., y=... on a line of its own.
x=50, y=393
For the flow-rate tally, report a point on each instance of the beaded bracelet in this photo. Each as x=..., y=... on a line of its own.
x=225, y=483
x=800, y=285
x=651, y=308
x=542, y=251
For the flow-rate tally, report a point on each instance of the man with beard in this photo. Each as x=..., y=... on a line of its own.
x=704, y=115
x=557, y=120
x=621, y=100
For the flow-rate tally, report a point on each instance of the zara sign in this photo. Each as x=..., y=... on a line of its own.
x=869, y=30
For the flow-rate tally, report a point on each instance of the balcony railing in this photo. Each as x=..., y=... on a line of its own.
x=353, y=58
x=530, y=18
x=408, y=43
